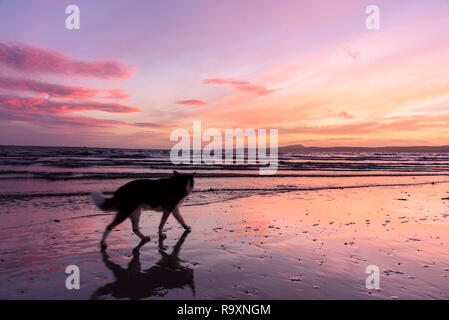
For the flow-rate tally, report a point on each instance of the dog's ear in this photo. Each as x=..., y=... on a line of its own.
x=176, y=173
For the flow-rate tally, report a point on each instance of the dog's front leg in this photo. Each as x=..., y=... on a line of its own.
x=165, y=215
x=178, y=217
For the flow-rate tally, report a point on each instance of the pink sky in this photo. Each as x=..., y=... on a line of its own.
x=133, y=73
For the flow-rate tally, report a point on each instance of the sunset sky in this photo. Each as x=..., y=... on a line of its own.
x=137, y=70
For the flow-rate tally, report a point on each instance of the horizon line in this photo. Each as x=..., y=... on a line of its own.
x=279, y=147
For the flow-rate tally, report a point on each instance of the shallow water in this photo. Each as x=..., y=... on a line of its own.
x=46, y=173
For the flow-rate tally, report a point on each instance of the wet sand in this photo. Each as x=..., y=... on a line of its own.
x=292, y=245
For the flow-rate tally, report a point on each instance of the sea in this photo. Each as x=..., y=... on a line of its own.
x=46, y=179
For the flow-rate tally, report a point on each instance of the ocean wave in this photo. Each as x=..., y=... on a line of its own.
x=64, y=176
x=28, y=196
x=75, y=161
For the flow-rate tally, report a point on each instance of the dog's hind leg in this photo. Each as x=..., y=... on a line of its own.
x=135, y=218
x=179, y=218
x=165, y=215
x=119, y=218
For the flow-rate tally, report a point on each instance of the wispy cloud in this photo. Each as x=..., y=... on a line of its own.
x=345, y=115
x=31, y=59
x=55, y=90
x=351, y=53
x=386, y=125
x=149, y=125
x=116, y=94
x=191, y=102
x=241, y=85
x=42, y=105
x=56, y=121
x=58, y=91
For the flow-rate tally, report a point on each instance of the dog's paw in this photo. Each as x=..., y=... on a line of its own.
x=162, y=235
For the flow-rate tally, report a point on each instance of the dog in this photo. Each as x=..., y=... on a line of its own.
x=164, y=195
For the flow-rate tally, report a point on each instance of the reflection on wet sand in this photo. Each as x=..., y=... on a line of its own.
x=133, y=283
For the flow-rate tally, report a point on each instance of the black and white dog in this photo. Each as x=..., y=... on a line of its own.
x=164, y=195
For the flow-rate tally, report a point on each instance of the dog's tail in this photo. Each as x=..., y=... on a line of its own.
x=102, y=202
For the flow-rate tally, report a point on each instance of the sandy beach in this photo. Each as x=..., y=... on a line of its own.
x=290, y=245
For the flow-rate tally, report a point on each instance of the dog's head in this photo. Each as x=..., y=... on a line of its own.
x=187, y=179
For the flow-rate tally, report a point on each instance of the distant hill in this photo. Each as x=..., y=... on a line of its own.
x=301, y=148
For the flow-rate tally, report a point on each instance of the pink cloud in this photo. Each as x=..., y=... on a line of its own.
x=192, y=102
x=117, y=94
x=149, y=125
x=41, y=105
x=345, y=115
x=36, y=60
x=378, y=125
x=57, y=121
x=52, y=121
x=239, y=85
x=56, y=90
x=351, y=53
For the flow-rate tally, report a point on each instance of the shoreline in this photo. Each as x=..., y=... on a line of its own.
x=260, y=192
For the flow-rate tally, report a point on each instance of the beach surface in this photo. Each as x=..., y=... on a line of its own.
x=312, y=244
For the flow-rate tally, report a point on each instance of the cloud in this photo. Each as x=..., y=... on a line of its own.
x=31, y=59
x=149, y=125
x=351, y=53
x=342, y=114
x=345, y=115
x=117, y=94
x=57, y=121
x=375, y=126
x=42, y=105
x=239, y=85
x=191, y=102
x=54, y=90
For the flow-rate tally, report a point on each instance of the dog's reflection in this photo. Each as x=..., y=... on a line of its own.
x=134, y=283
